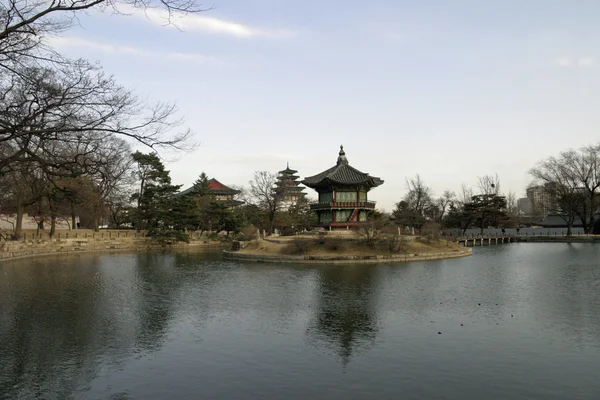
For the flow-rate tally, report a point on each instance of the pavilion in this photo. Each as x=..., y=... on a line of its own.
x=219, y=193
x=342, y=193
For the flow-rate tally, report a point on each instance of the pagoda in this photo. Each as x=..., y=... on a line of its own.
x=342, y=194
x=288, y=187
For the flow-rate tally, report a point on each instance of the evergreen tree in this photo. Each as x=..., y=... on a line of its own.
x=200, y=187
x=487, y=210
x=165, y=215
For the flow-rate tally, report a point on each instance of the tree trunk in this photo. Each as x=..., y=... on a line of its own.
x=592, y=221
x=73, y=218
x=96, y=222
x=139, y=206
x=584, y=216
x=52, y=218
x=52, y=225
x=19, y=223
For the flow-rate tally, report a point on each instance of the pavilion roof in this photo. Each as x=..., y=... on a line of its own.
x=215, y=188
x=288, y=170
x=342, y=173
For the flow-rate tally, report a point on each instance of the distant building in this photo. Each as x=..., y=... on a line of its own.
x=525, y=206
x=543, y=201
x=289, y=187
x=219, y=192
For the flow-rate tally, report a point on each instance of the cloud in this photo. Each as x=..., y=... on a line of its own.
x=568, y=62
x=203, y=23
x=70, y=41
x=563, y=62
x=585, y=62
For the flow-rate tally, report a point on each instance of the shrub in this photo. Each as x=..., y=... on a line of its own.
x=321, y=239
x=288, y=231
x=249, y=232
x=297, y=247
x=394, y=243
x=336, y=244
x=167, y=237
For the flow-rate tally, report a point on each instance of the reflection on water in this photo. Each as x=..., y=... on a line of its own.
x=513, y=321
x=346, y=316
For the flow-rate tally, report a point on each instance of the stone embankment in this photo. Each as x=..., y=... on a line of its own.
x=92, y=243
x=341, y=259
x=558, y=239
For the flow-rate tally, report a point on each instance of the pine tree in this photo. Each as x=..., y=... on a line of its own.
x=201, y=185
x=163, y=214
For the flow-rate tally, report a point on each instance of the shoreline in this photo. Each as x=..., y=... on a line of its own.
x=558, y=239
x=341, y=259
x=21, y=250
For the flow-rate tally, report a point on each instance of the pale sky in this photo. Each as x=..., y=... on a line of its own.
x=448, y=89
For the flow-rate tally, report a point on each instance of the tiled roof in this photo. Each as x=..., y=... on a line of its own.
x=214, y=187
x=342, y=173
x=288, y=170
x=214, y=184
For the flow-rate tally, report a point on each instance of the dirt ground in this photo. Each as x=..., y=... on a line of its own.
x=350, y=248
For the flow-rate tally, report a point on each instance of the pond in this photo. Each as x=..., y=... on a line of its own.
x=513, y=321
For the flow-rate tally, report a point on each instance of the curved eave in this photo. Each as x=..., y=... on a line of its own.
x=371, y=182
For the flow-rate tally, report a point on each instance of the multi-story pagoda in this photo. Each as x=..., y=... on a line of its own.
x=342, y=192
x=288, y=187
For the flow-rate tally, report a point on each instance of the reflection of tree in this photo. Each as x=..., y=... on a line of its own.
x=50, y=326
x=61, y=319
x=156, y=284
x=346, y=319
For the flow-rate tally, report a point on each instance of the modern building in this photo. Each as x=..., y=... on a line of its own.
x=543, y=202
x=288, y=187
x=219, y=192
x=342, y=193
x=525, y=206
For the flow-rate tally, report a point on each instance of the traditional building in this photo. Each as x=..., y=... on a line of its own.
x=342, y=192
x=288, y=187
x=219, y=192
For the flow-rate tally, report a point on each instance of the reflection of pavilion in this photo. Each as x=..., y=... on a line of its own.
x=345, y=319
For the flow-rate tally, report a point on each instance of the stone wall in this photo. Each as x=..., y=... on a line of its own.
x=98, y=242
x=341, y=259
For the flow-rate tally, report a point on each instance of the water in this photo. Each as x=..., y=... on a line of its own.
x=522, y=231
x=191, y=326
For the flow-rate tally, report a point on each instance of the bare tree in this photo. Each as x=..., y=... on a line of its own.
x=411, y=211
x=489, y=184
x=112, y=176
x=24, y=187
x=24, y=24
x=264, y=194
x=584, y=164
x=466, y=193
x=64, y=106
x=419, y=194
x=512, y=210
x=443, y=203
x=564, y=187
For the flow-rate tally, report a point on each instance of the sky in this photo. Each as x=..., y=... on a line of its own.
x=449, y=90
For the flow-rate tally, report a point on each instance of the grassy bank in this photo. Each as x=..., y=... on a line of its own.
x=330, y=247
